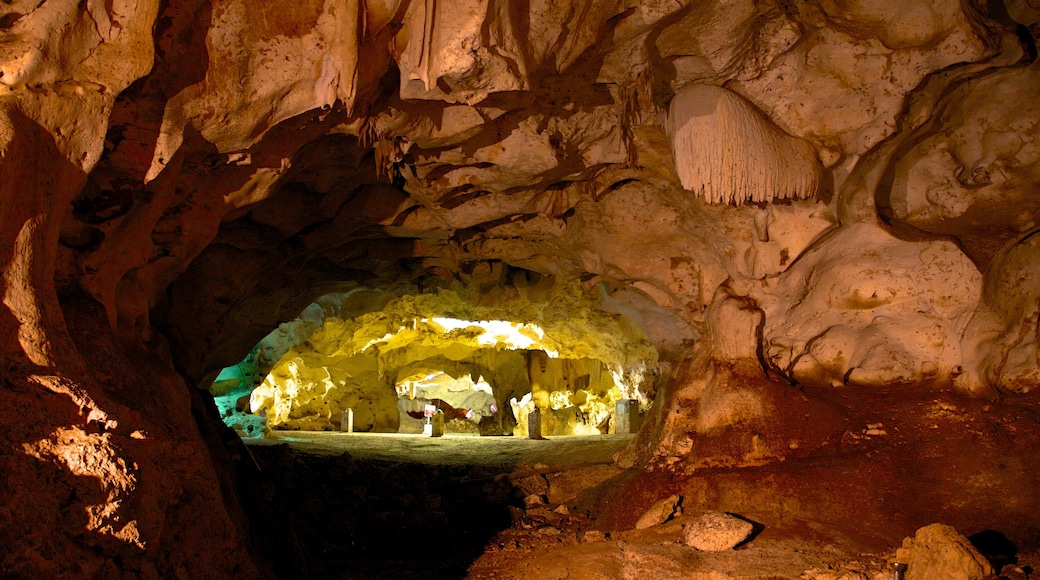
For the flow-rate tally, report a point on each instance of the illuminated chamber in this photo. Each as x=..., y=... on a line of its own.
x=387, y=359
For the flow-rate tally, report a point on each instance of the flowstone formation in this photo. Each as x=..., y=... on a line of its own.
x=821, y=215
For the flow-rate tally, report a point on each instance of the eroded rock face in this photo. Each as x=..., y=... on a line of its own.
x=877, y=311
x=961, y=177
x=853, y=211
x=1005, y=326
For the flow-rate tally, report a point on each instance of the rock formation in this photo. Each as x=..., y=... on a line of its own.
x=938, y=551
x=177, y=179
x=715, y=532
x=726, y=152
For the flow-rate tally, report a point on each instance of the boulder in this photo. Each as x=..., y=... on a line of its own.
x=717, y=532
x=938, y=552
x=660, y=512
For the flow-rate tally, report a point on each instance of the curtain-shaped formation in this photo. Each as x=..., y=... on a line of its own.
x=726, y=151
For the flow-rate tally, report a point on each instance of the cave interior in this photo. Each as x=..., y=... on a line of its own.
x=764, y=274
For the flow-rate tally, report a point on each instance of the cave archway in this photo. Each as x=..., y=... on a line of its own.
x=487, y=359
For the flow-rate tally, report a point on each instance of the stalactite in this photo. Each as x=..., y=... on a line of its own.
x=368, y=134
x=726, y=151
x=636, y=103
x=425, y=58
x=389, y=153
x=587, y=189
x=355, y=33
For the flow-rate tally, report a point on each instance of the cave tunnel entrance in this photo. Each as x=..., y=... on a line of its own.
x=485, y=359
x=387, y=501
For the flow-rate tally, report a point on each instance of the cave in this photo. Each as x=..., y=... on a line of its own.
x=481, y=360
x=794, y=240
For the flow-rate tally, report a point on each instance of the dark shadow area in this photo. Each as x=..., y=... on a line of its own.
x=756, y=529
x=995, y=547
x=243, y=487
x=367, y=519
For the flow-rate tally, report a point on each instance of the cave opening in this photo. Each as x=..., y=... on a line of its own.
x=387, y=495
x=484, y=359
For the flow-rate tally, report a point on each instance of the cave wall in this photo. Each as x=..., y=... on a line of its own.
x=812, y=194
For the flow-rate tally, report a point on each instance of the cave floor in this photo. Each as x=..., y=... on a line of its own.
x=367, y=505
x=364, y=506
x=454, y=449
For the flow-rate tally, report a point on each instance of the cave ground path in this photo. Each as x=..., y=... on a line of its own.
x=390, y=505
x=368, y=505
x=455, y=449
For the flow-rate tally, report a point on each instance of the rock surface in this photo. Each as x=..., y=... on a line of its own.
x=716, y=531
x=938, y=551
x=660, y=512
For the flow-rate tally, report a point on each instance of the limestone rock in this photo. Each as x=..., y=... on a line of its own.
x=1003, y=334
x=716, y=532
x=593, y=536
x=533, y=501
x=726, y=30
x=660, y=512
x=179, y=178
x=432, y=58
x=726, y=151
x=734, y=327
x=798, y=63
x=567, y=486
x=975, y=165
x=843, y=315
x=938, y=552
x=301, y=59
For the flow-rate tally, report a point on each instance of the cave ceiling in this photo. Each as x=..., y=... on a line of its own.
x=664, y=149
x=597, y=143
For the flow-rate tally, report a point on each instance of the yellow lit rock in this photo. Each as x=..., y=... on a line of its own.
x=577, y=361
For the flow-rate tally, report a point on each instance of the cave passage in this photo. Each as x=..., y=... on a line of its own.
x=370, y=361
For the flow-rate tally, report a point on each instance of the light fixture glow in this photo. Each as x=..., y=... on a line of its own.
x=500, y=333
